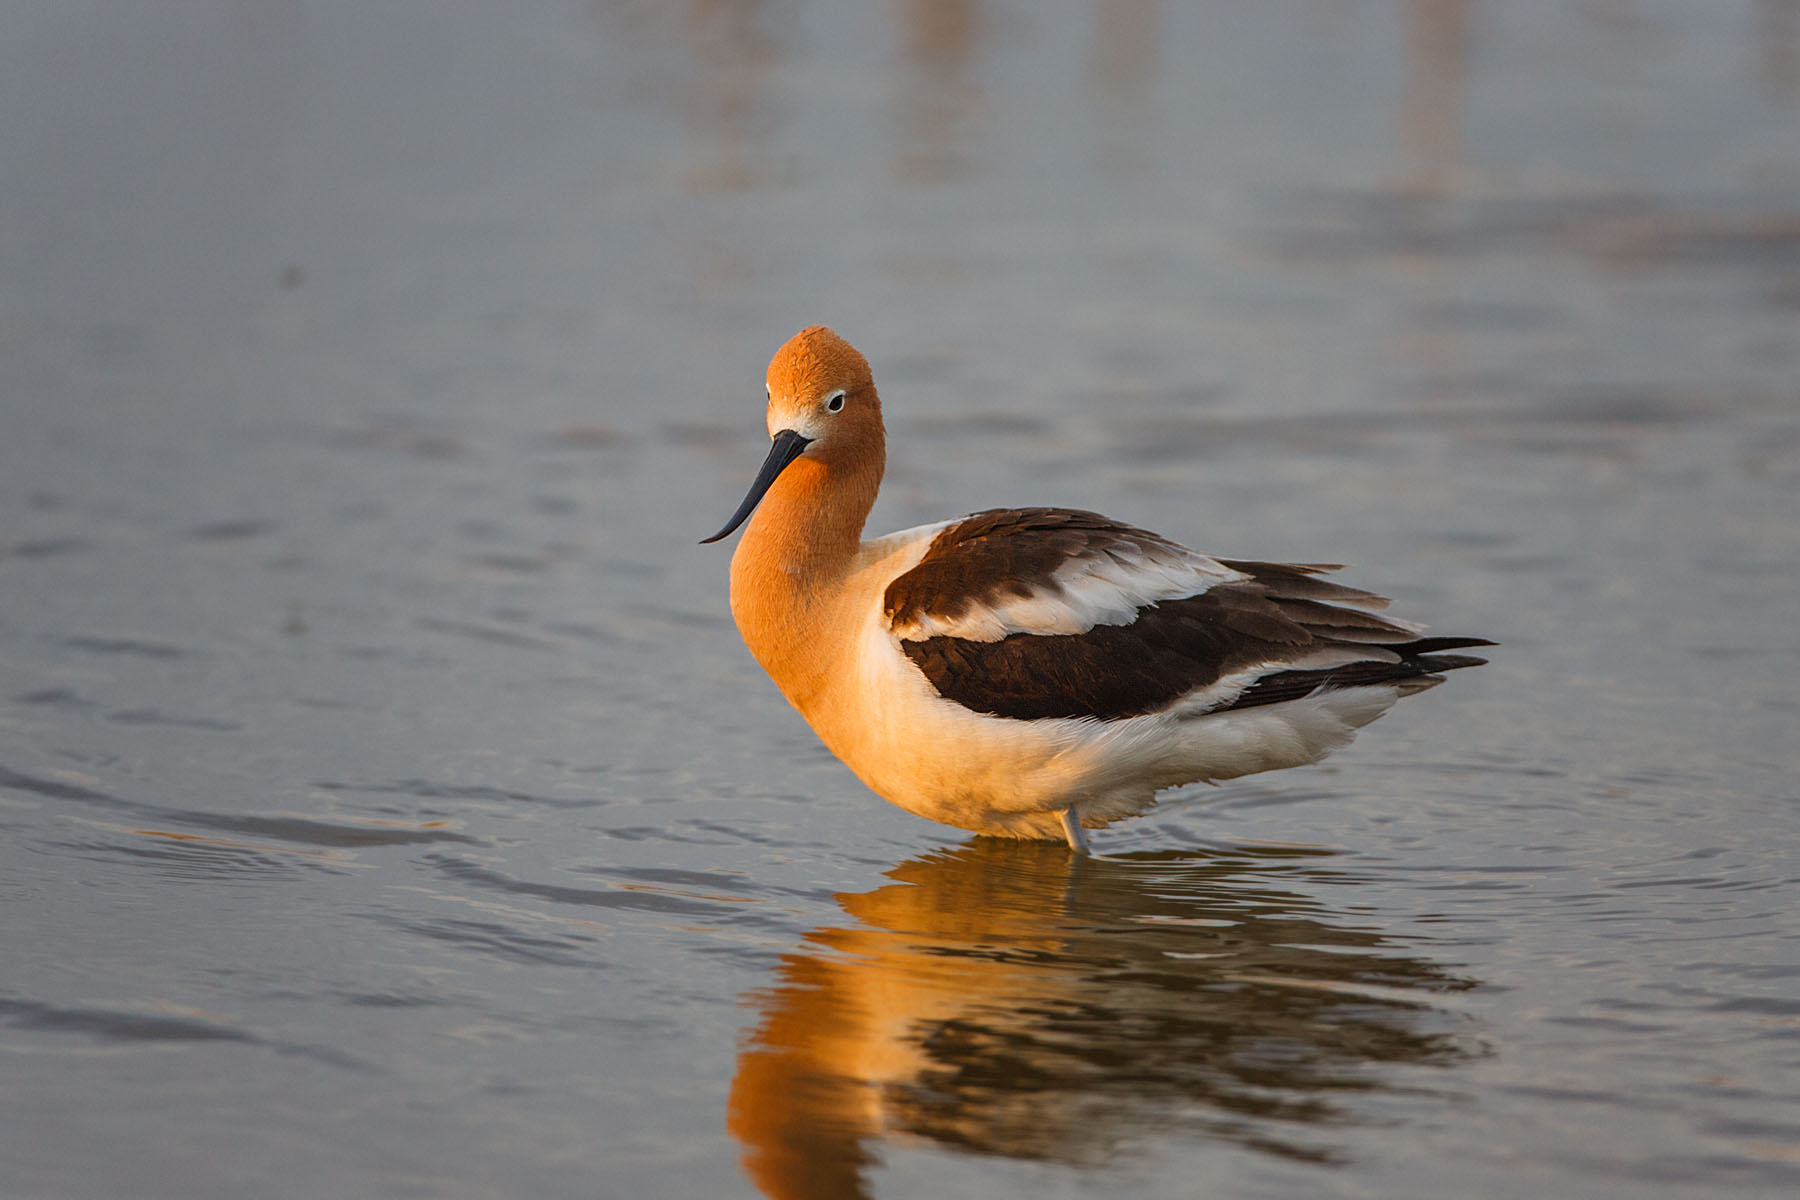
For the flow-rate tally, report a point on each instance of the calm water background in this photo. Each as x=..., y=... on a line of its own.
x=391, y=810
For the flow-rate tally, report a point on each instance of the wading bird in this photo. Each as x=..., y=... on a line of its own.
x=1035, y=672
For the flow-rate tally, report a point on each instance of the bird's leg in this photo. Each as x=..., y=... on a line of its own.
x=1072, y=830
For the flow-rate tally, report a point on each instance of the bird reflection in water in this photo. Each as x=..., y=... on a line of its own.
x=1008, y=998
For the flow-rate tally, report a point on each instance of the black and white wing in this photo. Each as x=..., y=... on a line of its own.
x=1046, y=612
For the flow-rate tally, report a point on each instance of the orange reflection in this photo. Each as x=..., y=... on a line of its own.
x=1122, y=66
x=1429, y=126
x=936, y=98
x=1777, y=40
x=1430, y=116
x=1005, y=999
x=723, y=96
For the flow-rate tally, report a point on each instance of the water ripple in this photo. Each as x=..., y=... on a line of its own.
x=494, y=940
x=151, y=1025
x=188, y=857
x=427, y=789
x=646, y=895
x=230, y=531
x=131, y=647
x=52, y=547
x=151, y=821
x=155, y=716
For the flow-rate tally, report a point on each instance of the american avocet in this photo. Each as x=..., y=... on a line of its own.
x=1030, y=672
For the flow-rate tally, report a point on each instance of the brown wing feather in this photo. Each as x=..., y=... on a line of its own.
x=993, y=554
x=1281, y=613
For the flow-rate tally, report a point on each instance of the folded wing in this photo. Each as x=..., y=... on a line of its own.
x=1042, y=612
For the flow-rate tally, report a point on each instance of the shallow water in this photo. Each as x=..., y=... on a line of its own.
x=391, y=809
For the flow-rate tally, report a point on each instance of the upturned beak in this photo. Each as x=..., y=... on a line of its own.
x=786, y=447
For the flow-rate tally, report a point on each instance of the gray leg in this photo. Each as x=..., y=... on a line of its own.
x=1072, y=830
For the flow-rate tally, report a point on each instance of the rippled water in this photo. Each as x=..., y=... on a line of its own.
x=391, y=810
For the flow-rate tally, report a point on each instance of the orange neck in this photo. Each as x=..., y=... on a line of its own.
x=789, y=570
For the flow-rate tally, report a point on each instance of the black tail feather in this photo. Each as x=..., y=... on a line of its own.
x=1415, y=663
x=1432, y=645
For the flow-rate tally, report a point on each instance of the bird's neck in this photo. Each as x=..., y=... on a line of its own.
x=789, y=573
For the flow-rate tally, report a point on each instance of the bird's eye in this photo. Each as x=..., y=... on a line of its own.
x=834, y=402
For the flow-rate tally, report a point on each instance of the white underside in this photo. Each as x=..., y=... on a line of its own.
x=1017, y=778
x=996, y=775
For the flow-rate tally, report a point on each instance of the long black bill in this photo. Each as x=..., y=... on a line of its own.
x=786, y=448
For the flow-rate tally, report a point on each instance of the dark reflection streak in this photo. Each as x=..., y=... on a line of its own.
x=124, y=1026
x=1004, y=999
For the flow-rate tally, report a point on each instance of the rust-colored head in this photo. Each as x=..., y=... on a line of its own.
x=820, y=387
x=823, y=407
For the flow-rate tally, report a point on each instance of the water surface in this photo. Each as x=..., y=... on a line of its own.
x=392, y=810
